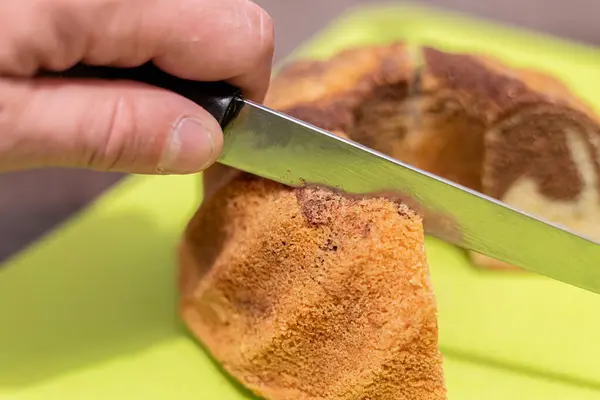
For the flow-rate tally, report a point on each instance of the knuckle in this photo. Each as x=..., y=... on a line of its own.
x=14, y=62
x=60, y=62
x=115, y=130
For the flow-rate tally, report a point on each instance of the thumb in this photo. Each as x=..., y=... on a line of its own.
x=110, y=126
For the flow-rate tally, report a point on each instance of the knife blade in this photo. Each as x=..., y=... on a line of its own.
x=279, y=147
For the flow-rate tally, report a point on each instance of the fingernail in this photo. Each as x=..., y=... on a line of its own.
x=190, y=148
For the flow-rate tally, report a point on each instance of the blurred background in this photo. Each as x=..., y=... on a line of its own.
x=32, y=202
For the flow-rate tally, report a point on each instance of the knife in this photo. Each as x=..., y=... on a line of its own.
x=276, y=146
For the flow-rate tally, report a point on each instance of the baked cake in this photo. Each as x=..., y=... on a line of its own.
x=307, y=294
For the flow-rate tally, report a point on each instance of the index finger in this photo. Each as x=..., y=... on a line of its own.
x=203, y=40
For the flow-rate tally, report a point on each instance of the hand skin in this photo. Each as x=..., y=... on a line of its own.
x=123, y=126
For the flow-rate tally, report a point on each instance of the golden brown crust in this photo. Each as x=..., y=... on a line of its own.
x=281, y=285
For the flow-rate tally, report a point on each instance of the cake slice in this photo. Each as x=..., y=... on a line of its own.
x=306, y=293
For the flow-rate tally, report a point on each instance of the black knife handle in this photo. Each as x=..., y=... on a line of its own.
x=220, y=99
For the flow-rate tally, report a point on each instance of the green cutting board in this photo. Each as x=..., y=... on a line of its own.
x=89, y=312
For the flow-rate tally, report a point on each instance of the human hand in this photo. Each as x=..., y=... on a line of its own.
x=123, y=126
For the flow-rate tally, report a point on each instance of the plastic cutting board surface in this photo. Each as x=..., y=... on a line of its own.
x=89, y=312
